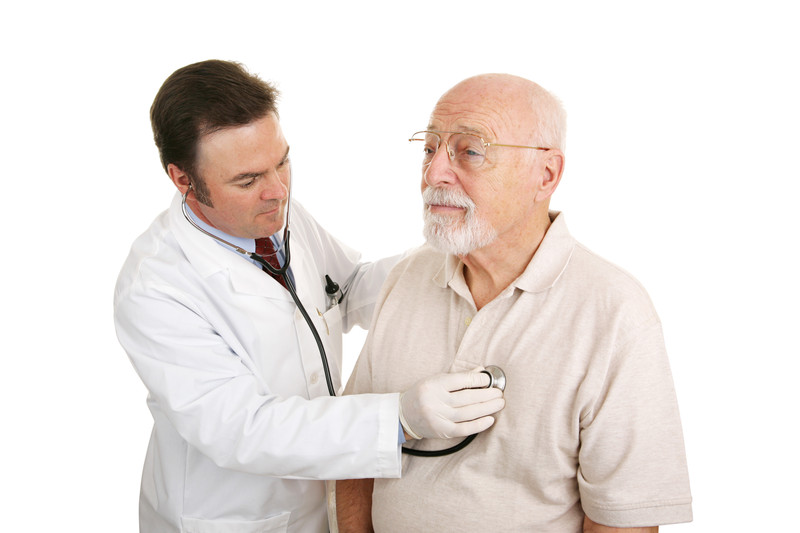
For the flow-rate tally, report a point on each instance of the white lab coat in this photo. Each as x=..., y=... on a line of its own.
x=243, y=423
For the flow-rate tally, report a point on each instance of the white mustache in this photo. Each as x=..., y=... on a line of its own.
x=447, y=197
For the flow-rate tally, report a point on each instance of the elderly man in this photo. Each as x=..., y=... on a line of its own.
x=590, y=439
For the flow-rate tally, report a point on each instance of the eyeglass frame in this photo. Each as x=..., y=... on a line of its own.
x=486, y=144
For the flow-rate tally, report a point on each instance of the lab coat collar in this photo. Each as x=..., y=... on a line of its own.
x=542, y=273
x=209, y=257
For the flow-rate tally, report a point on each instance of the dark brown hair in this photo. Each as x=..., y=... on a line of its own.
x=202, y=98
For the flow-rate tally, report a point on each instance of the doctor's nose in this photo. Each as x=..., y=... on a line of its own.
x=274, y=186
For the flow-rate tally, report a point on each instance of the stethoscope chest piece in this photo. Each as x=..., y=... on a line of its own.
x=497, y=378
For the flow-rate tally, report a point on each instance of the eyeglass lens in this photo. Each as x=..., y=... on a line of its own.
x=465, y=149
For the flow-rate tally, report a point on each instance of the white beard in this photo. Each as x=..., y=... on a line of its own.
x=453, y=234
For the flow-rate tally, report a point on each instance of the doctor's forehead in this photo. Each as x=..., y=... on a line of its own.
x=264, y=136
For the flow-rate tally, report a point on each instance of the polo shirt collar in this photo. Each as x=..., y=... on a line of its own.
x=542, y=273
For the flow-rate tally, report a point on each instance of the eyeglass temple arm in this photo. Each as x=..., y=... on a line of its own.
x=516, y=146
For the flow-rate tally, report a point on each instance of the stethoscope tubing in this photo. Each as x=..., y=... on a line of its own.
x=438, y=453
x=323, y=356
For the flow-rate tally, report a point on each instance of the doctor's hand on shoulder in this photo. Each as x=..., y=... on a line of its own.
x=450, y=405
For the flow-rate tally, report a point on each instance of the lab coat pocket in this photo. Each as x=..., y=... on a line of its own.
x=274, y=524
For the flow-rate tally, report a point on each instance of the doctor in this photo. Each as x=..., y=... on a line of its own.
x=244, y=426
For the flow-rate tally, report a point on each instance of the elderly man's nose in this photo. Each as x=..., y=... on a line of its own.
x=440, y=169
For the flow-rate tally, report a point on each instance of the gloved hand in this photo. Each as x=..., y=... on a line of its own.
x=449, y=405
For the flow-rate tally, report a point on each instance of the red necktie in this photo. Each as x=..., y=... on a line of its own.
x=266, y=250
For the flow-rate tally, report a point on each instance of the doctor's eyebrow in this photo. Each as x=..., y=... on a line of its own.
x=253, y=175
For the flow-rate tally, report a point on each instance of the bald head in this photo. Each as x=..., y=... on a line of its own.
x=524, y=107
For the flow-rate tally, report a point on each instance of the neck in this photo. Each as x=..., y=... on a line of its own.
x=196, y=208
x=488, y=271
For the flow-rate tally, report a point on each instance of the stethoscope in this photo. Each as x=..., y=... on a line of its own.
x=497, y=377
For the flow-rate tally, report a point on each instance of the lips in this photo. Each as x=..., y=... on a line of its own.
x=444, y=208
x=272, y=207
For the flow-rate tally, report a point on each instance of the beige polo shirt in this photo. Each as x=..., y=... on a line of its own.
x=591, y=420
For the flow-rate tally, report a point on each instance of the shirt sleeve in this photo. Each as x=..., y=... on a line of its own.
x=632, y=463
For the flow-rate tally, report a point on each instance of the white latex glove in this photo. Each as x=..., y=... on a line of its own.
x=449, y=405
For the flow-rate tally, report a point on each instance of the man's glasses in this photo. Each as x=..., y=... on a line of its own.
x=467, y=150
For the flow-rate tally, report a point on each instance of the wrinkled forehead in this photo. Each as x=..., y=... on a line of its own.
x=496, y=109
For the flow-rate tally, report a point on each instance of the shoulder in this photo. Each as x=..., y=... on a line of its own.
x=604, y=274
x=600, y=286
x=411, y=276
x=306, y=228
x=155, y=259
x=422, y=262
x=301, y=220
x=156, y=244
x=322, y=247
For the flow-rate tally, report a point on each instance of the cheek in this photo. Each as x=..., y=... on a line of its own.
x=237, y=207
x=501, y=200
x=497, y=181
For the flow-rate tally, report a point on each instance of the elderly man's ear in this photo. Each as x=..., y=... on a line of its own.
x=551, y=172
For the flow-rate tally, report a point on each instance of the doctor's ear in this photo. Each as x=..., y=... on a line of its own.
x=179, y=178
x=551, y=170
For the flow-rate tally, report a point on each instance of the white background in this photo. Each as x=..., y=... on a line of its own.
x=682, y=167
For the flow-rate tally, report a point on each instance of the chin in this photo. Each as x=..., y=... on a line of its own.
x=459, y=239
